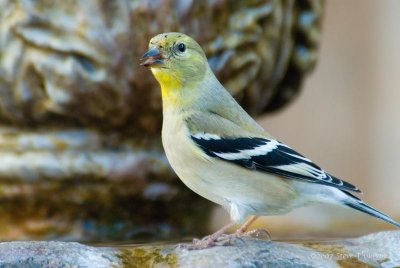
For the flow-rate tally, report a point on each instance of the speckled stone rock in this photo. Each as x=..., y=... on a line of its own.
x=374, y=250
x=55, y=254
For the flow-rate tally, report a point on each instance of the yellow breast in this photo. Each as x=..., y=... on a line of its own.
x=166, y=81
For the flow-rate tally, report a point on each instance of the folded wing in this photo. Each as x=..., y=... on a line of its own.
x=267, y=155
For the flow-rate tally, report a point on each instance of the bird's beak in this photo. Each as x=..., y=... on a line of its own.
x=151, y=57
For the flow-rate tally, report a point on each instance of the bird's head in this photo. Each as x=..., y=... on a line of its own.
x=176, y=61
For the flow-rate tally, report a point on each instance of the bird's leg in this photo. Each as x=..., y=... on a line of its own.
x=256, y=233
x=231, y=239
x=218, y=238
x=209, y=240
x=220, y=232
x=243, y=228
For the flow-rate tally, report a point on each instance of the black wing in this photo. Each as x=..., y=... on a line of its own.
x=267, y=155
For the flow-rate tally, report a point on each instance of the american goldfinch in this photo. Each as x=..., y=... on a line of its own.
x=222, y=154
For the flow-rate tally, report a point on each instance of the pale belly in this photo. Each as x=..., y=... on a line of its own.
x=187, y=164
x=241, y=191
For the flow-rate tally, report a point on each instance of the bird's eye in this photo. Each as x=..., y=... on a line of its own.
x=181, y=47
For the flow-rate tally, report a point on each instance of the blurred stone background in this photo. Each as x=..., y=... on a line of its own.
x=80, y=153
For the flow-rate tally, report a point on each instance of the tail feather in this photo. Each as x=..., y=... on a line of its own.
x=359, y=205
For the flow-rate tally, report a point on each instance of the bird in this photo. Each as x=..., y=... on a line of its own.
x=220, y=152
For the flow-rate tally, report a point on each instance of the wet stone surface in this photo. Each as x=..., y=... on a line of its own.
x=374, y=250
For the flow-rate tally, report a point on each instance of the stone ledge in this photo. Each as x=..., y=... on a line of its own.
x=375, y=250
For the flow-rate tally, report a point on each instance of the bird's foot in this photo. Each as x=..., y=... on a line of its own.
x=211, y=241
x=239, y=237
x=230, y=239
x=206, y=242
x=259, y=234
x=225, y=239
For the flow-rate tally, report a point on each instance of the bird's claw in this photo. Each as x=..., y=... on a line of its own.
x=225, y=239
x=209, y=241
x=259, y=234
x=197, y=244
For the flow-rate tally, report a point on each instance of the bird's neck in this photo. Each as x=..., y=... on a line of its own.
x=207, y=96
x=177, y=95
